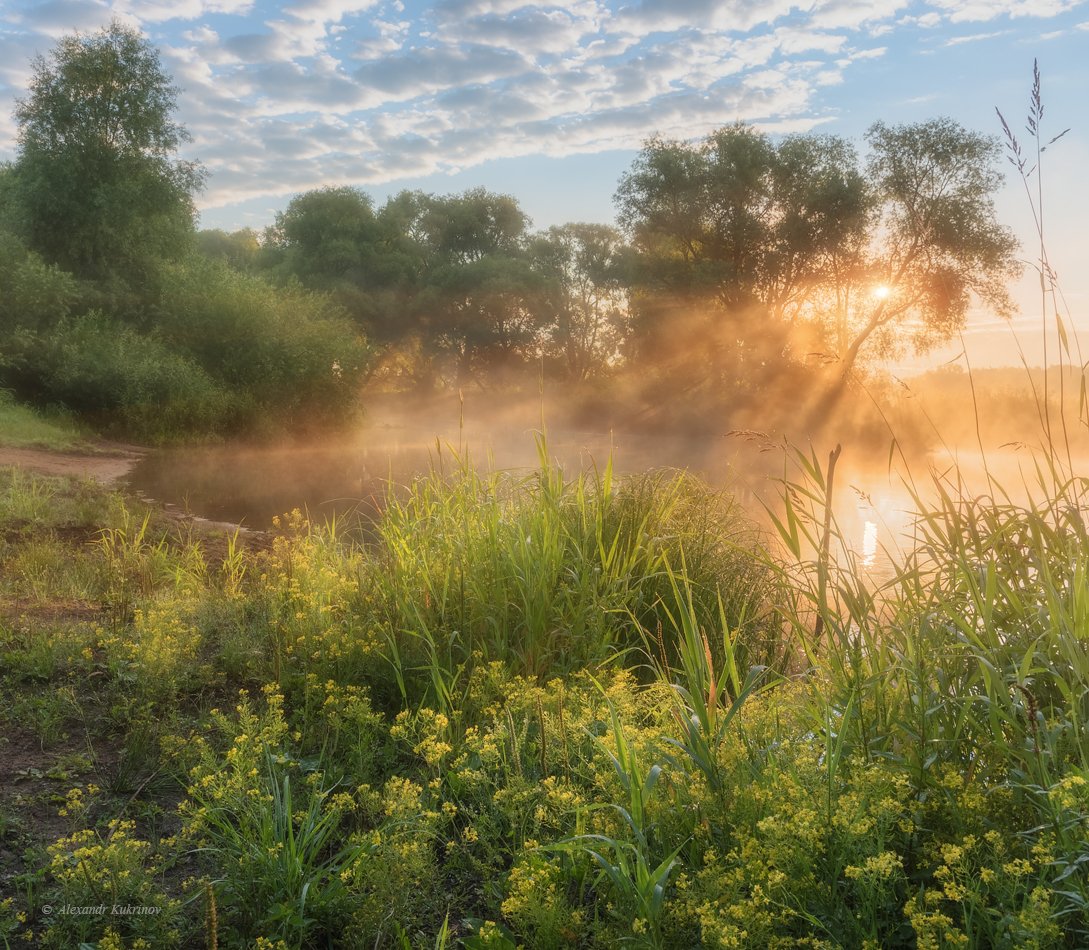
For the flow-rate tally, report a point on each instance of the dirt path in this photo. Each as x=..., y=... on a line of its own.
x=107, y=466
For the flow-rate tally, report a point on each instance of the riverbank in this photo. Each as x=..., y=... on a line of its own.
x=538, y=710
x=104, y=462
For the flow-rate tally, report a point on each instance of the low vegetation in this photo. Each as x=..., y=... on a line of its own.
x=23, y=427
x=544, y=711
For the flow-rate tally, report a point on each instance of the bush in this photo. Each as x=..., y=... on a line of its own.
x=218, y=351
x=282, y=350
x=126, y=381
x=33, y=294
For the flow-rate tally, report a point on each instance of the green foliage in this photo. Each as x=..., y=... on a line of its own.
x=913, y=773
x=934, y=182
x=149, y=343
x=100, y=194
x=284, y=354
x=43, y=504
x=781, y=246
x=551, y=574
x=33, y=294
x=271, y=833
x=240, y=249
x=21, y=426
x=112, y=870
x=221, y=351
x=327, y=234
x=124, y=380
x=585, y=298
x=478, y=288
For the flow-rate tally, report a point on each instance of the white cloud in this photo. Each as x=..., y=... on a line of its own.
x=390, y=38
x=160, y=11
x=55, y=18
x=531, y=30
x=416, y=72
x=658, y=16
x=970, y=11
x=974, y=38
x=288, y=95
x=329, y=11
x=852, y=14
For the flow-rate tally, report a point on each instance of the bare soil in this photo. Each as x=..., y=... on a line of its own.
x=107, y=463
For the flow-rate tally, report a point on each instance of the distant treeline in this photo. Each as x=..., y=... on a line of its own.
x=741, y=270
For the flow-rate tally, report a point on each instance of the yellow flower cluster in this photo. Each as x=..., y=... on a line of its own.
x=116, y=868
x=313, y=582
x=1070, y=794
x=164, y=644
x=879, y=867
x=537, y=904
x=427, y=732
x=235, y=776
x=934, y=930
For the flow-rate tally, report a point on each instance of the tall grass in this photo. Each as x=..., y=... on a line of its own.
x=972, y=659
x=551, y=573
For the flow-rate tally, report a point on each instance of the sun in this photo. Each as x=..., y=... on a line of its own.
x=882, y=291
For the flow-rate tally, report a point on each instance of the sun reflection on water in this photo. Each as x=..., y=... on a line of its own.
x=869, y=544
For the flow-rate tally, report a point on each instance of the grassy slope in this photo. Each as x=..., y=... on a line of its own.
x=23, y=427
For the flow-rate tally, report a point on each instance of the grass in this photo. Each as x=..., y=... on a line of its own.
x=542, y=711
x=24, y=427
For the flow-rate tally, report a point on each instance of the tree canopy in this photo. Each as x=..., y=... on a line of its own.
x=741, y=263
x=798, y=247
x=100, y=191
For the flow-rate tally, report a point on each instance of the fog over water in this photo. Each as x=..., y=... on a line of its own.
x=349, y=476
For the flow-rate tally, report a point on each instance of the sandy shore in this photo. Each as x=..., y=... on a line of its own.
x=106, y=466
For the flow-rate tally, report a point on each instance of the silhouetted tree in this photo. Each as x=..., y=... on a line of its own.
x=778, y=250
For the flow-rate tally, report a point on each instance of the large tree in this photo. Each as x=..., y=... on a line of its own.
x=332, y=240
x=791, y=248
x=479, y=300
x=584, y=297
x=100, y=191
x=733, y=234
x=936, y=243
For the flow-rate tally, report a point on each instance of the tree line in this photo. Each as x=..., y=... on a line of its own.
x=738, y=262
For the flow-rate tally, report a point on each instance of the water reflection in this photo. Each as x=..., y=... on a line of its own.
x=869, y=545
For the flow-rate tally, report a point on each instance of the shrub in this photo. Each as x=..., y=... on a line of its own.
x=281, y=350
x=125, y=381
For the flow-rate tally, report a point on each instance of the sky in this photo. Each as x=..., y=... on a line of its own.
x=551, y=102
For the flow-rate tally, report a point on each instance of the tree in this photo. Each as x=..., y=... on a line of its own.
x=479, y=298
x=734, y=233
x=7, y=197
x=791, y=248
x=332, y=240
x=585, y=298
x=325, y=232
x=240, y=249
x=100, y=191
x=936, y=243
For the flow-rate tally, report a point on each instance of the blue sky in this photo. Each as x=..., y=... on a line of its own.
x=549, y=102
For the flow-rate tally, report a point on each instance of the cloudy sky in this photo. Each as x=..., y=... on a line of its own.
x=549, y=102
